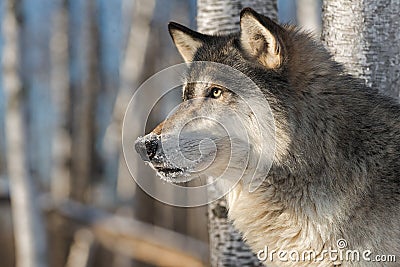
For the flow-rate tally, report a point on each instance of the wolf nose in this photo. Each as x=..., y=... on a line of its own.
x=146, y=147
x=151, y=148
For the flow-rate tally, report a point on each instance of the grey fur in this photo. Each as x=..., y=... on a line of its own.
x=337, y=172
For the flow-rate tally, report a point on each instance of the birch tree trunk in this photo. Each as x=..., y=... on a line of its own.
x=223, y=16
x=34, y=55
x=107, y=145
x=2, y=99
x=364, y=35
x=226, y=244
x=29, y=232
x=140, y=20
x=309, y=15
x=81, y=100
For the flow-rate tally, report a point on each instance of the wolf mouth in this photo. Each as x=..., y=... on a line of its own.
x=169, y=171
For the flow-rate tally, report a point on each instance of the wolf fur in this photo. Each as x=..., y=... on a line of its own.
x=336, y=168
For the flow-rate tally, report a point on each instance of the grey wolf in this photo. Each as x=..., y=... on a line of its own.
x=335, y=173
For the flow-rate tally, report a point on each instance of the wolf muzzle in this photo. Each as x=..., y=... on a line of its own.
x=147, y=146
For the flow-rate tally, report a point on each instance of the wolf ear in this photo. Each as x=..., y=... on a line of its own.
x=186, y=40
x=259, y=38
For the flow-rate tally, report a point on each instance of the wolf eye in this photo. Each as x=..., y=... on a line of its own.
x=215, y=92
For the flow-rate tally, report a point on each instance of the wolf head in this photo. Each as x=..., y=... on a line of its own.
x=226, y=123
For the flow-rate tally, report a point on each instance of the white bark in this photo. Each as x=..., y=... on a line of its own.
x=226, y=245
x=130, y=74
x=309, y=16
x=35, y=24
x=81, y=249
x=364, y=35
x=221, y=16
x=60, y=181
x=30, y=238
x=2, y=102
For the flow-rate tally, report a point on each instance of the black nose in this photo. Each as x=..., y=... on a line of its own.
x=151, y=147
x=147, y=147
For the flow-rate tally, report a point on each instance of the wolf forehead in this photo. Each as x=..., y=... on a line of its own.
x=220, y=49
x=262, y=48
x=223, y=50
x=205, y=76
x=221, y=64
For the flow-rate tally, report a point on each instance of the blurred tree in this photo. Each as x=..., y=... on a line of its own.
x=107, y=144
x=287, y=11
x=364, y=35
x=309, y=15
x=2, y=100
x=81, y=50
x=29, y=230
x=226, y=244
x=34, y=55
